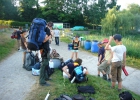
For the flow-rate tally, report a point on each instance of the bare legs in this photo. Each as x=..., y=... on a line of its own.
x=74, y=53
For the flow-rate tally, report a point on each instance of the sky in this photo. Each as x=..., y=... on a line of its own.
x=123, y=3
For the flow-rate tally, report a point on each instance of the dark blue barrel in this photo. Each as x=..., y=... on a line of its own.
x=94, y=46
x=70, y=46
x=87, y=45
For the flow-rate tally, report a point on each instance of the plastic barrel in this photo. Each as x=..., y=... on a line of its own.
x=94, y=46
x=87, y=45
x=56, y=62
x=70, y=46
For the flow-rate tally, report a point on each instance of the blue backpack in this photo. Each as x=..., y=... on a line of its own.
x=36, y=34
x=78, y=73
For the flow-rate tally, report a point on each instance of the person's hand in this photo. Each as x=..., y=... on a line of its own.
x=111, y=38
x=98, y=64
x=69, y=75
x=108, y=62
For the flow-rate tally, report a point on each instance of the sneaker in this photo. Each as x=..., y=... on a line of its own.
x=104, y=77
x=23, y=66
x=98, y=75
x=112, y=87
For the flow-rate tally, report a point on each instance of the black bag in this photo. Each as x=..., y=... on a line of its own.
x=49, y=70
x=29, y=61
x=126, y=96
x=78, y=97
x=86, y=89
x=63, y=97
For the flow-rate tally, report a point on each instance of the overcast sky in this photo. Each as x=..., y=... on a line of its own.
x=123, y=3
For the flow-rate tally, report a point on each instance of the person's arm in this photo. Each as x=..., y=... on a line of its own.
x=47, y=38
x=99, y=61
x=111, y=56
x=124, y=59
x=107, y=45
x=65, y=70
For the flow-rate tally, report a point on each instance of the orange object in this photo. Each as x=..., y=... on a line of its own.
x=125, y=71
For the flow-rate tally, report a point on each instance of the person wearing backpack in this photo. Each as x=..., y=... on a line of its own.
x=118, y=54
x=18, y=37
x=23, y=45
x=45, y=56
x=68, y=69
x=76, y=46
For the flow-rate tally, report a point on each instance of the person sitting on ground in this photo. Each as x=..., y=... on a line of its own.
x=68, y=69
x=54, y=54
x=104, y=67
x=100, y=55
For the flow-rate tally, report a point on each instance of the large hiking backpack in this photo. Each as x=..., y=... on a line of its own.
x=36, y=34
x=125, y=95
x=79, y=75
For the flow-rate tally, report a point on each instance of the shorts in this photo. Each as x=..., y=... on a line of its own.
x=104, y=66
x=74, y=50
x=116, y=71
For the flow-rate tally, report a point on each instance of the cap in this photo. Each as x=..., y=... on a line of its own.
x=99, y=43
x=117, y=37
x=105, y=41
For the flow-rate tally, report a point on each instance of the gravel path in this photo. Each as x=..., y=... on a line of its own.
x=15, y=82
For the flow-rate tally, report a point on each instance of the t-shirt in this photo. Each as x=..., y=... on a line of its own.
x=46, y=44
x=118, y=52
x=107, y=54
x=23, y=40
x=101, y=52
x=56, y=33
x=71, y=67
x=75, y=44
x=18, y=34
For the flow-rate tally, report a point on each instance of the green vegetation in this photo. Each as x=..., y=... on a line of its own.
x=59, y=86
x=130, y=41
x=6, y=44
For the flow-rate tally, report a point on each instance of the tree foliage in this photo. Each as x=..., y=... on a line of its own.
x=122, y=22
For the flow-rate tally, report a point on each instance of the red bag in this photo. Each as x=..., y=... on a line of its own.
x=125, y=71
x=12, y=37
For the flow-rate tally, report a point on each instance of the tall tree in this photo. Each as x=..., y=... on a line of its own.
x=28, y=9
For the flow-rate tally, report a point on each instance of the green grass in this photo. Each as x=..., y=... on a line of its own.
x=6, y=44
x=60, y=86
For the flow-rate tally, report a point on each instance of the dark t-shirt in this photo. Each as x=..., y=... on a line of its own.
x=46, y=44
x=71, y=67
x=18, y=34
x=101, y=52
x=75, y=44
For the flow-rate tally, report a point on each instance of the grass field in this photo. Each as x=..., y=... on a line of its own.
x=7, y=45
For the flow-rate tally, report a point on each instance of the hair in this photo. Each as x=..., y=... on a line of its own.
x=79, y=61
x=50, y=24
x=117, y=37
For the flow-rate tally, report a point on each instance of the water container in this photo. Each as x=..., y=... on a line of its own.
x=56, y=62
x=70, y=46
x=87, y=45
x=94, y=46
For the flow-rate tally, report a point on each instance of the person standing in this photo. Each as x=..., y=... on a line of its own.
x=45, y=56
x=18, y=37
x=56, y=35
x=118, y=54
x=76, y=45
x=104, y=67
x=100, y=57
x=23, y=45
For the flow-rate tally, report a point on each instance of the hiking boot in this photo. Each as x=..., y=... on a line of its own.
x=45, y=84
x=112, y=87
x=104, y=77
